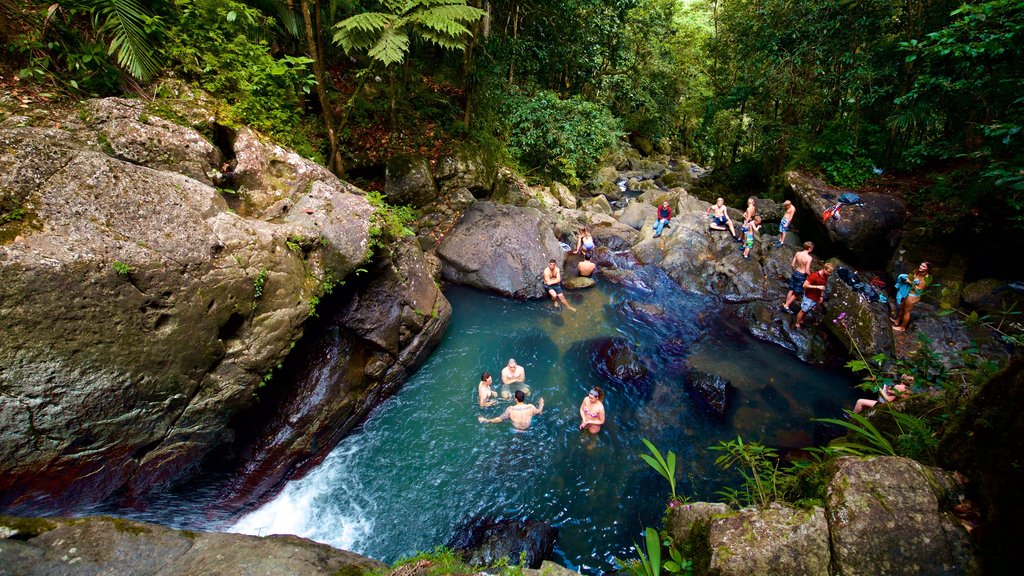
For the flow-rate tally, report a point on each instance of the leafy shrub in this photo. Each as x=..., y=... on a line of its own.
x=561, y=139
x=219, y=44
x=388, y=223
x=849, y=172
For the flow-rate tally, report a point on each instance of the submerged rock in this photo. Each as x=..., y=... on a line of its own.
x=616, y=361
x=115, y=547
x=486, y=541
x=710, y=390
x=579, y=283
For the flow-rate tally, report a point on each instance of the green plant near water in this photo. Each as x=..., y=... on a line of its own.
x=757, y=464
x=664, y=466
x=388, y=223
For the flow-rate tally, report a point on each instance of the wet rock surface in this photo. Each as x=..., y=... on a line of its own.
x=485, y=541
x=712, y=392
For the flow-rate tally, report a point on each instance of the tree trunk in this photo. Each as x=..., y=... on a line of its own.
x=312, y=47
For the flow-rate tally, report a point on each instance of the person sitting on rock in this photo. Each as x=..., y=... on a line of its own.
x=720, y=219
x=519, y=413
x=664, y=216
x=586, y=267
x=886, y=394
x=553, y=284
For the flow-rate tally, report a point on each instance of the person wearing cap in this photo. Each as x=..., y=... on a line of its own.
x=519, y=414
x=592, y=411
x=513, y=377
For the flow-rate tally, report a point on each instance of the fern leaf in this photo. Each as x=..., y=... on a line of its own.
x=125, y=22
x=391, y=47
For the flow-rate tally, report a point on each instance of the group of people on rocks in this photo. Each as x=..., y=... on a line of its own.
x=519, y=413
x=807, y=286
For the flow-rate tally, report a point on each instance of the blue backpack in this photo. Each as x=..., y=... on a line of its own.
x=849, y=198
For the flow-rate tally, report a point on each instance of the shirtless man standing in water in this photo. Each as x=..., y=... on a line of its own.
x=520, y=414
x=513, y=376
x=484, y=392
x=801, y=268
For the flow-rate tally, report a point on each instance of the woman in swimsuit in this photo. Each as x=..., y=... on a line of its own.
x=585, y=241
x=592, y=411
x=918, y=284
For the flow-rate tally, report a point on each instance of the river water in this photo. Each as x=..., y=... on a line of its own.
x=422, y=464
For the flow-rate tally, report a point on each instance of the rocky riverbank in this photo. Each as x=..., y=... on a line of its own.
x=149, y=299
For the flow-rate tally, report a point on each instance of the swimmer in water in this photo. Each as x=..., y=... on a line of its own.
x=513, y=377
x=484, y=391
x=592, y=411
x=519, y=414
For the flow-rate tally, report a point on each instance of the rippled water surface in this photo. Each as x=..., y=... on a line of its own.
x=421, y=464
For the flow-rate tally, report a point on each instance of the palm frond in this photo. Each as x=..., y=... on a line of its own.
x=130, y=27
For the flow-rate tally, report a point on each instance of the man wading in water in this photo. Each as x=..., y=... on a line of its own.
x=520, y=414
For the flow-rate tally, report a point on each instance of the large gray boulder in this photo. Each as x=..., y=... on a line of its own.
x=140, y=314
x=635, y=214
x=889, y=516
x=778, y=539
x=115, y=547
x=500, y=248
x=866, y=234
x=408, y=181
x=126, y=130
x=468, y=168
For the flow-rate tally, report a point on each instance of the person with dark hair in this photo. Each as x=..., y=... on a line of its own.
x=586, y=267
x=484, y=391
x=553, y=284
x=814, y=292
x=801, y=265
x=664, y=217
x=918, y=284
x=519, y=414
x=592, y=411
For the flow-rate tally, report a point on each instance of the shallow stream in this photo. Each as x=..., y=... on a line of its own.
x=421, y=464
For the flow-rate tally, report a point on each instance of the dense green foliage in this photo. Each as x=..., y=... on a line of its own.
x=847, y=88
x=562, y=138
